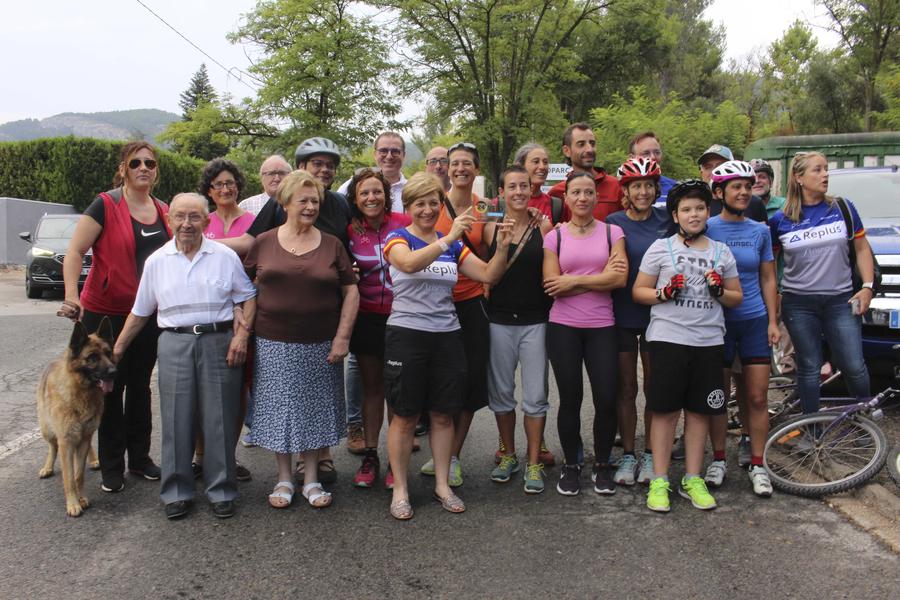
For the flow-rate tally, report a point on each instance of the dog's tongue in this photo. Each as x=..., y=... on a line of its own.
x=106, y=385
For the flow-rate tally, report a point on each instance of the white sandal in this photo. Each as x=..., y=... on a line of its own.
x=287, y=496
x=313, y=492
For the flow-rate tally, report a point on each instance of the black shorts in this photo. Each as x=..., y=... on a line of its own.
x=685, y=377
x=476, y=333
x=423, y=371
x=368, y=334
x=631, y=339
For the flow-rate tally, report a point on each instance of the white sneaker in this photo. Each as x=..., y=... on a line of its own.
x=645, y=473
x=715, y=473
x=762, y=486
x=625, y=473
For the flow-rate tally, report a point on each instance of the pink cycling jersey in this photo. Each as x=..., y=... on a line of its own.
x=375, y=289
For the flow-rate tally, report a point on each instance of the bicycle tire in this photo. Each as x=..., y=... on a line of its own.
x=840, y=461
x=893, y=462
x=782, y=394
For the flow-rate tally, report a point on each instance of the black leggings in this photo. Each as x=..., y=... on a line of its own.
x=567, y=348
x=127, y=423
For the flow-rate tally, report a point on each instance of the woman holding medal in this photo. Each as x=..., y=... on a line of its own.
x=584, y=260
x=518, y=310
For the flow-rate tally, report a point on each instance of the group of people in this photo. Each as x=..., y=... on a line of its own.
x=437, y=297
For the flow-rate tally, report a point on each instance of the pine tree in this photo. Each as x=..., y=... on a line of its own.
x=199, y=92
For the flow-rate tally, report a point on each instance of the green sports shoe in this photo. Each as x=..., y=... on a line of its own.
x=456, y=479
x=694, y=489
x=658, y=496
x=503, y=472
x=428, y=468
x=534, y=478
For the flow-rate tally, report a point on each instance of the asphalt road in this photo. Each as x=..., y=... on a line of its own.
x=506, y=545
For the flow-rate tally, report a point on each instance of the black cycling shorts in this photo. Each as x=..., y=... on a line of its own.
x=685, y=378
x=631, y=339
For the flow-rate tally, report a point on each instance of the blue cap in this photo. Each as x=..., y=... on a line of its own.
x=716, y=150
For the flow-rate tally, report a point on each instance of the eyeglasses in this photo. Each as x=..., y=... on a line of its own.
x=231, y=184
x=323, y=164
x=437, y=161
x=194, y=218
x=391, y=151
x=275, y=173
x=649, y=153
x=134, y=163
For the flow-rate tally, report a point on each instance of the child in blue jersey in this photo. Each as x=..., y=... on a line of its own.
x=750, y=328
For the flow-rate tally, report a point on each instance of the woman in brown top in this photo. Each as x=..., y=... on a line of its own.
x=307, y=305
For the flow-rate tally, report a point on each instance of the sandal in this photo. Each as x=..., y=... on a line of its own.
x=282, y=499
x=317, y=497
x=451, y=503
x=326, y=472
x=401, y=510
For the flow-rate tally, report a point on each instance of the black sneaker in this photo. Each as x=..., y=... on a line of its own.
x=569, y=480
x=147, y=470
x=223, y=509
x=241, y=473
x=602, y=476
x=177, y=509
x=113, y=482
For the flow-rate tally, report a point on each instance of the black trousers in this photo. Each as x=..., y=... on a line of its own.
x=597, y=349
x=127, y=422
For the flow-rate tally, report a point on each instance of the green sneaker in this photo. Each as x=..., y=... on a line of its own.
x=694, y=489
x=658, y=496
x=428, y=468
x=503, y=472
x=455, y=473
x=534, y=478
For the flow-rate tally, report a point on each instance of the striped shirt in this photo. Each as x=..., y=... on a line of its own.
x=192, y=292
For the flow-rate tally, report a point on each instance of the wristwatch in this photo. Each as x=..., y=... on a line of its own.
x=869, y=285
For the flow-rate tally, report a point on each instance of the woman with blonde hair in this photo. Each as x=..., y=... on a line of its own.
x=818, y=295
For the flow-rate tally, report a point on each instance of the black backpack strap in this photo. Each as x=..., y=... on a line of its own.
x=608, y=240
x=558, y=243
x=848, y=217
x=556, y=209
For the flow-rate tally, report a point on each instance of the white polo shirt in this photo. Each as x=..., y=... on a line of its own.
x=192, y=292
x=396, y=192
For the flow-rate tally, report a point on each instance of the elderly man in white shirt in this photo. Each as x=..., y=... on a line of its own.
x=196, y=287
x=271, y=172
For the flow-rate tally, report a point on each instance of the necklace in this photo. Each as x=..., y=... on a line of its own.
x=582, y=228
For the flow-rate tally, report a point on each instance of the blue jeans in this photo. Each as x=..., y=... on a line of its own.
x=807, y=319
x=354, y=390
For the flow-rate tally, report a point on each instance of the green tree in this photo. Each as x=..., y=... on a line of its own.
x=324, y=70
x=215, y=129
x=787, y=69
x=200, y=92
x=869, y=30
x=492, y=65
x=889, y=84
x=834, y=95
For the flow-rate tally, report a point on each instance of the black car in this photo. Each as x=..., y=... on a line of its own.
x=44, y=268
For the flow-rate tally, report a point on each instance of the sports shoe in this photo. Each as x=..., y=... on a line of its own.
x=625, y=473
x=455, y=479
x=546, y=457
x=715, y=473
x=389, y=480
x=247, y=440
x=694, y=489
x=658, y=496
x=503, y=472
x=148, y=470
x=678, y=449
x=534, y=478
x=112, y=483
x=241, y=473
x=602, y=476
x=645, y=472
x=367, y=473
x=744, y=451
x=428, y=468
x=569, y=480
x=762, y=486
x=501, y=452
x=356, y=440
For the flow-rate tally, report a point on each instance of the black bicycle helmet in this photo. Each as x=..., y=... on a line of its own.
x=693, y=187
x=316, y=145
x=759, y=164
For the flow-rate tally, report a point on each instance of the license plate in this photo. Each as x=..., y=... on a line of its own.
x=895, y=319
x=85, y=270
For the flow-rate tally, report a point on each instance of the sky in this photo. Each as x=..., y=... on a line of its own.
x=100, y=55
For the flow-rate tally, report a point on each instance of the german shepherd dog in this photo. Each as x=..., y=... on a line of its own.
x=70, y=404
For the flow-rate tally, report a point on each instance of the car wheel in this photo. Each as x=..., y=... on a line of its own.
x=31, y=290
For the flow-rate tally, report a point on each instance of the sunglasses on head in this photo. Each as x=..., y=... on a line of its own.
x=466, y=145
x=362, y=170
x=134, y=163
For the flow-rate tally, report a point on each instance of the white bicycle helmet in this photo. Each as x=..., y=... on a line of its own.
x=317, y=145
x=733, y=169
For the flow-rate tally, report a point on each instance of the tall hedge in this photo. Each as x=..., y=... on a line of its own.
x=72, y=170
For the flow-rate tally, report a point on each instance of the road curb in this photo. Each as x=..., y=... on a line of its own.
x=873, y=509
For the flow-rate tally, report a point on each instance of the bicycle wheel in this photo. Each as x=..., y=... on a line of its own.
x=894, y=464
x=782, y=396
x=805, y=457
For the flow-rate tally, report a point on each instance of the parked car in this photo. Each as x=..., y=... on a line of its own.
x=876, y=193
x=44, y=268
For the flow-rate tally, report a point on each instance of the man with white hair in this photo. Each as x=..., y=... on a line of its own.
x=271, y=172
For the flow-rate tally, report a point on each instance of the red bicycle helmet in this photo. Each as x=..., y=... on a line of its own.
x=639, y=168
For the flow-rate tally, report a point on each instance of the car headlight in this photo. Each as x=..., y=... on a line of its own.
x=42, y=252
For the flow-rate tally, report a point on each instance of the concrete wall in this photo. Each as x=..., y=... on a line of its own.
x=17, y=215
